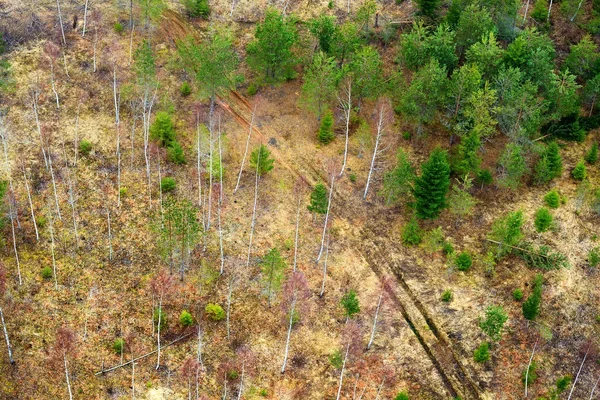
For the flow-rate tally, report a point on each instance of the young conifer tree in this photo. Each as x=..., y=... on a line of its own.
x=432, y=186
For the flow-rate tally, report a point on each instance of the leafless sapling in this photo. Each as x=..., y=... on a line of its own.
x=384, y=118
x=161, y=286
x=331, y=170
x=345, y=101
x=237, y=185
x=64, y=348
x=299, y=192
x=2, y=293
x=295, y=295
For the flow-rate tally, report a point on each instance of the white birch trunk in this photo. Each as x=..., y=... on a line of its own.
x=219, y=204
x=12, y=227
x=326, y=217
x=60, y=22
x=346, y=104
x=8, y=348
x=34, y=100
x=375, y=322
x=380, y=130
x=579, y=372
x=289, y=334
x=95, y=45
x=85, y=9
x=67, y=377
x=37, y=235
x=296, y=235
x=237, y=185
x=257, y=177
x=325, y=268
x=54, y=187
x=110, y=249
x=241, y=381
x=158, y=332
x=52, y=251
x=529, y=366
x=339, y=392
x=229, y=295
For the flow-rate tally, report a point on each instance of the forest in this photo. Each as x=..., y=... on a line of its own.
x=286, y=199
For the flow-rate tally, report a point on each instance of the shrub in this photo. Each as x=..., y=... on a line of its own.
x=350, y=304
x=46, y=272
x=482, y=353
x=484, y=177
x=167, y=184
x=531, y=376
x=594, y=257
x=563, y=383
x=163, y=129
x=447, y=296
x=118, y=28
x=507, y=231
x=531, y=306
x=447, y=248
x=463, y=261
x=517, y=294
x=406, y=135
x=592, y=155
x=540, y=11
x=185, y=89
x=319, y=199
x=579, y=172
x=402, y=396
x=85, y=147
x=214, y=312
x=123, y=191
x=411, y=233
x=160, y=314
x=41, y=221
x=118, y=345
x=433, y=240
x=197, y=8
x=352, y=178
x=326, y=134
x=175, y=153
x=233, y=374
x=493, y=323
x=552, y=199
x=543, y=220
x=252, y=89
x=336, y=360
x=186, y=319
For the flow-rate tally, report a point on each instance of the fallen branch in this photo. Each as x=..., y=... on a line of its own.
x=142, y=356
x=519, y=248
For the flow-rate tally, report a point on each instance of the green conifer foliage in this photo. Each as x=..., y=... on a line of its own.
x=531, y=306
x=326, y=134
x=432, y=186
x=261, y=157
x=543, y=220
x=319, y=199
x=592, y=155
x=579, y=172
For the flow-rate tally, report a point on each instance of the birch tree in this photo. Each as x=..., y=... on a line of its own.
x=51, y=50
x=64, y=348
x=37, y=235
x=383, y=120
x=326, y=216
x=34, y=94
x=345, y=102
x=295, y=294
x=299, y=192
x=60, y=23
x=375, y=319
x=161, y=287
x=4, y=329
x=237, y=184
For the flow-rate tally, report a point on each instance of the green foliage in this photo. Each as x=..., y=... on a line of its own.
x=151, y=9
x=412, y=234
x=144, y=64
x=260, y=160
x=517, y=294
x=480, y=112
x=592, y=155
x=272, y=267
x=197, y=8
x=324, y=30
x=402, y=396
x=213, y=63
x=582, y=58
x=463, y=261
x=428, y=8
x=336, y=359
x=214, y=312
x=47, y=273
x=118, y=28
x=426, y=93
x=319, y=199
x=447, y=296
x=579, y=172
x=460, y=200
x=493, y=323
x=160, y=317
x=118, y=346
x=563, y=95
x=40, y=220
x=593, y=257
x=514, y=166
x=167, y=184
x=431, y=187
x=352, y=178
x=163, y=129
x=552, y=199
x=486, y=55
x=85, y=147
x=563, y=383
x=186, y=319
x=540, y=11
x=366, y=69
x=447, y=249
x=469, y=159
x=531, y=306
x=542, y=220
x=549, y=165
x=507, y=231
x=397, y=183
x=350, y=303
x=270, y=53
x=346, y=41
x=420, y=45
x=3, y=45
x=529, y=375
x=326, y=134
x=541, y=258
x=175, y=153
x=433, y=240
x=484, y=177
x=474, y=23
x=185, y=89
x=482, y=353
x=320, y=81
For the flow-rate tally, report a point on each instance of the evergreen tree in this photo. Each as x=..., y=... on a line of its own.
x=163, y=130
x=464, y=82
x=592, y=155
x=366, y=68
x=197, y=8
x=468, y=154
x=261, y=156
x=398, y=182
x=319, y=200
x=531, y=306
x=272, y=267
x=324, y=30
x=583, y=57
x=350, y=304
x=326, y=134
x=144, y=64
x=461, y=201
x=542, y=220
x=413, y=51
x=412, y=234
x=513, y=166
x=486, y=55
x=507, y=231
x=554, y=159
x=474, y=23
x=579, y=172
x=428, y=8
x=563, y=95
x=320, y=82
x=346, y=42
x=493, y=323
x=431, y=187
x=270, y=54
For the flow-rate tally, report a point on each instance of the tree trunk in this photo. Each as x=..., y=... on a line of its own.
x=199, y=170
x=579, y=371
x=325, y=268
x=67, y=377
x=253, y=210
x=342, y=373
x=526, y=9
x=210, y=166
x=289, y=334
x=8, y=348
x=529, y=366
x=229, y=295
x=594, y=388
x=199, y=351
x=158, y=332
x=550, y=9
x=117, y=98
x=296, y=235
x=34, y=97
x=375, y=322
x=131, y=43
x=52, y=250
x=237, y=185
x=241, y=381
x=12, y=227
x=85, y=9
x=60, y=22
x=110, y=249
x=76, y=136
x=54, y=187
x=37, y=235
x=379, y=390
x=95, y=45
x=326, y=217
x=132, y=377
x=347, y=107
x=380, y=130
x=219, y=204
x=574, y=15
